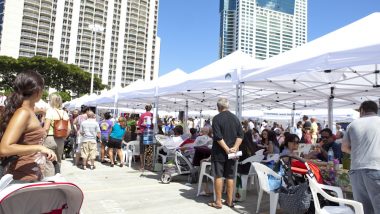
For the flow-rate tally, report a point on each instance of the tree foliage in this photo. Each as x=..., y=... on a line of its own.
x=61, y=76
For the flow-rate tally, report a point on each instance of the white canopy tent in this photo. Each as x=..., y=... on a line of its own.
x=342, y=66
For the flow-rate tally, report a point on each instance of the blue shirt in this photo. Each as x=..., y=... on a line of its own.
x=336, y=149
x=117, y=132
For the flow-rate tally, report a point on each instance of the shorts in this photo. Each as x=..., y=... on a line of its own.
x=114, y=143
x=88, y=150
x=223, y=169
x=104, y=140
x=142, y=146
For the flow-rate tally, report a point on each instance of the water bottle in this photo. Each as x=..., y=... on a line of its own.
x=330, y=155
x=147, y=136
x=332, y=174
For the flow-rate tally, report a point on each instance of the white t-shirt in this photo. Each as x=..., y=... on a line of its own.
x=55, y=114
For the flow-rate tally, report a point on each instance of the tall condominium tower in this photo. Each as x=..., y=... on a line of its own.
x=262, y=28
x=126, y=49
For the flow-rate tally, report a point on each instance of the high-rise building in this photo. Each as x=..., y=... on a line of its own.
x=126, y=49
x=262, y=28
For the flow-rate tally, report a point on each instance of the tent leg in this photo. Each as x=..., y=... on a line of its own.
x=330, y=112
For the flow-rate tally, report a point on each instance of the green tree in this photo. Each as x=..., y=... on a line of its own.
x=61, y=76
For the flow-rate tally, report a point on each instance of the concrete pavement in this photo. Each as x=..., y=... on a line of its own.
x=123, y=190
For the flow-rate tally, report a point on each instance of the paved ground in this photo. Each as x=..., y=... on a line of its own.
x=124, y=190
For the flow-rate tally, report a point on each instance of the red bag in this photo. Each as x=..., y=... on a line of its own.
x=300, y=168
x=60, y=127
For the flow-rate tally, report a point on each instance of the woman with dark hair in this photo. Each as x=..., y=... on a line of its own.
x=248, y=148
x=290, y=145
x=269, y=142
x=20, y=131
x=273, y=146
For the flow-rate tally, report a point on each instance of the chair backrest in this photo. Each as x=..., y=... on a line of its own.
x=134, y=146
x=316, y=188
x=253, y=158
x=260, y=152
x=262, y=173
x=273, y=157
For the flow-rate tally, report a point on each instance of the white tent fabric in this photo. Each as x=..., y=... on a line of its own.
x=158, y=87
x=351, y=53
x=355, y=44
x=41, y=104
x=78, y=102
x=223, y=73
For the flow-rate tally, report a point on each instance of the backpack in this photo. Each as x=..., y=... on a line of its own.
x=60, y=128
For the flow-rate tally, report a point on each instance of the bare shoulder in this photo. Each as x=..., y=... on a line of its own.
x=22, y=113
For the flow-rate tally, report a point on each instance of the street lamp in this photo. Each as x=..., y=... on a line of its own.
x=95, y=28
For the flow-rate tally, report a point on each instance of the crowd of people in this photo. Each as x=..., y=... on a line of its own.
x=31, y=150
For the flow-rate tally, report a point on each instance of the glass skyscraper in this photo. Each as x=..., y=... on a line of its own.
x=127, y=50
x=262, y=28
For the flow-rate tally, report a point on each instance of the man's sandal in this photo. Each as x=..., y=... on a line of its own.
x=216, y=206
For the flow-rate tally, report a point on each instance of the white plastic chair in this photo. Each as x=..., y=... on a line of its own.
x=318, y=188
x=262, y=174
x=252, y=173
x=5, y=181
x=203, y=173
x=271, y=157
x=131, y=150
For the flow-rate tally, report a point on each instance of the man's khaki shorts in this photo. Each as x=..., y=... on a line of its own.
x=88, y=150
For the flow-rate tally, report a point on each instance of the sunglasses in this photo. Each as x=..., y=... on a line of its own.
x=324, y=137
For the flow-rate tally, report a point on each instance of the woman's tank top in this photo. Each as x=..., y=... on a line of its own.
x=25, y=167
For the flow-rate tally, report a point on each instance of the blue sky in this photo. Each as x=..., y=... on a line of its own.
x=189, y=29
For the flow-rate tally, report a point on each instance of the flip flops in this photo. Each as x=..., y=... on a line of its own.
x=203, y=193
x=214, y=205
x=228, y=205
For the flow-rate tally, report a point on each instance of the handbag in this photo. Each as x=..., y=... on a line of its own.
x=60, y=128
x=295, y=199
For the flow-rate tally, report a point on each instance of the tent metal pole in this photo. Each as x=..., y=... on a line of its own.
x=330, y=109
x=238, y=100
x=293, y=116
x=186, y=116
x=155, y=115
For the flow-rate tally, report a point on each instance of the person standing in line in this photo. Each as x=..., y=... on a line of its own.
x=115, y=138
x=228, y=135
x=77, y=121
x=89, y=130
x=314, y=130
x=105, y=128
x=55, y=112
x=362, y=141
x=145, y=119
